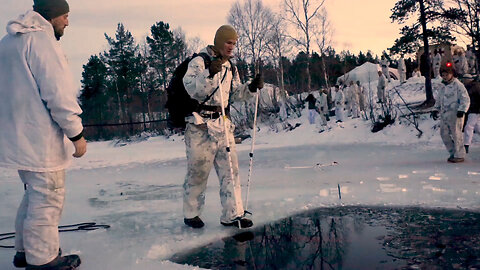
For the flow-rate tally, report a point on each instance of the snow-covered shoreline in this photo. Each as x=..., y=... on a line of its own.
x=137, y=188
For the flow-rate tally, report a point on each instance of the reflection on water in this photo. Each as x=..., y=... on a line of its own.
x=350, y=238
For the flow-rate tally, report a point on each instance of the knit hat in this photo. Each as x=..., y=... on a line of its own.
x=50, y=9
x=224, y=33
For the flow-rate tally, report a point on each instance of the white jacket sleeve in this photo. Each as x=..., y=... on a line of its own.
x=463, y=98
x=196, y=80
x=50, y=69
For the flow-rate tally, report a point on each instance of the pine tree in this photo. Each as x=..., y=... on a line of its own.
x=94, y=98
x=123, y=62
x=165, y=49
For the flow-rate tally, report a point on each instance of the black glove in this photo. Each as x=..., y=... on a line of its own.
x=460, y=114
x=434, y=115
x=215, y=67
x=256, y=83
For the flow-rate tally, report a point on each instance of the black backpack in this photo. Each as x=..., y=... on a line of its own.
x=179, y=102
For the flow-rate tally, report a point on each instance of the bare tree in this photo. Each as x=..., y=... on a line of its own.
x=304, y=15
x=278, y=46
x=324, y=40
x=194, y=45
x=253, y=22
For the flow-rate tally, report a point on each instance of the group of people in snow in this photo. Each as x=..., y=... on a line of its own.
x=457, y=104
x=349, y=99
x=39, y=109
x=464, y=62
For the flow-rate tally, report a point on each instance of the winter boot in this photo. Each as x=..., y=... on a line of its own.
x=239, y=222
x=466, y=148
x=195, y=222
x=20, y=261
x=456, y=160
x=69, y=262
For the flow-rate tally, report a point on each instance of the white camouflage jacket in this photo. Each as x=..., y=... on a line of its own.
x=199, y=86
x=452, y=98
x=38, y=104
x=339, y=99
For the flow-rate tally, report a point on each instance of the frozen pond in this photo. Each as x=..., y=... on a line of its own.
x=350, y=238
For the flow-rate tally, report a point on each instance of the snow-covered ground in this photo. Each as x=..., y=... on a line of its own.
x=137, y=188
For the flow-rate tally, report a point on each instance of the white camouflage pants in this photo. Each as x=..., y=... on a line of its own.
x=203, y=152
x=473, y=124
x=436, y=71
x=339, y=113
x=36, y=225
x=451, y=133
x=381, y=94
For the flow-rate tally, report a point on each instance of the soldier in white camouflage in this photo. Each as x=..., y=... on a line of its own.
x=204, y=135
x=452, y=103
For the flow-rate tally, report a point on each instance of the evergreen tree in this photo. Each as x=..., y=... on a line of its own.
x=123, y=62
x=94, y=98
x=165, y=50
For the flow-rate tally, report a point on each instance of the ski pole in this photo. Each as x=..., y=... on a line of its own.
x=229, y=154
x=251, y=153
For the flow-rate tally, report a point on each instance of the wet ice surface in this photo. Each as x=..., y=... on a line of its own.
x=142, y=200
x=350, y=238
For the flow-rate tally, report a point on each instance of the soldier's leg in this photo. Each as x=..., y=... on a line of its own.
x=445, y=133
x=200, y=153
x=470, y=127
x=457, y=137
x=230, y=189
x=21, y=215
x=311, y=116
x=45, y=196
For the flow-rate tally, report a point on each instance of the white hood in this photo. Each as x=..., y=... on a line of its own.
x=38, y=104
x=29, y=22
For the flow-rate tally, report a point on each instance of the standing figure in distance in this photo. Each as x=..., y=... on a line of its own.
x=385, y=63
x=312, y=108
x=339, y=104
x=452, y=103
x=437, y=61
x=381, y=86
x=473, y=113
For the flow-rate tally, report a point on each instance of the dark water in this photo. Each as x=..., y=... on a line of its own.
x=350, y=238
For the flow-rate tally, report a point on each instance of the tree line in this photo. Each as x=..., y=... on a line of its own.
x=123, y=88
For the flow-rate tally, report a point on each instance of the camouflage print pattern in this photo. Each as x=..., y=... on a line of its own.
x=339, y=105
x=451, y=133
x=452, y=98
x=204, y=150
x=382, y=85
x=322, y=105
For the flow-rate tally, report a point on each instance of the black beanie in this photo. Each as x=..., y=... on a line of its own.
x=50, y=9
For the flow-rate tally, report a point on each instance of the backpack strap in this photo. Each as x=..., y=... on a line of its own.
x=206, y=58
x=208, y=61
x=214, y=91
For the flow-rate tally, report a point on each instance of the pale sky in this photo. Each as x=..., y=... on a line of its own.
x=359, y=25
